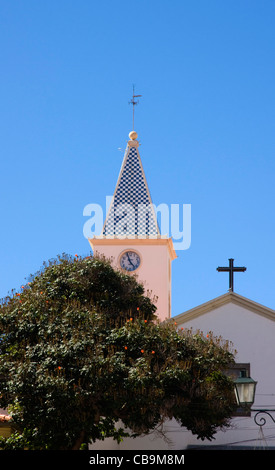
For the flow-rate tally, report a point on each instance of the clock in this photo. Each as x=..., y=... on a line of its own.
x=129, y=260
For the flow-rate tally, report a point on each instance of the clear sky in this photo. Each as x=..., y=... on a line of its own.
x=206, y=70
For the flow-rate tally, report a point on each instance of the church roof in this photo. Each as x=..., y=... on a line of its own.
x=229, y=297
x=131, y=211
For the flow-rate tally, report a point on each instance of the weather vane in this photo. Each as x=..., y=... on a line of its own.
x=134, y=103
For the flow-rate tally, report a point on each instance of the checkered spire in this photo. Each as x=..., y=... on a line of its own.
x=131, y=211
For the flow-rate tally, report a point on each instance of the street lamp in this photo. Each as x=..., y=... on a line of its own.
x=245, y=388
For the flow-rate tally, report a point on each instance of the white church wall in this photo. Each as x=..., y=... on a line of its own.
x=252, y=336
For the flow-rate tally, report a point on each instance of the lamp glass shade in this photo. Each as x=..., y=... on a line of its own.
x=245, y=388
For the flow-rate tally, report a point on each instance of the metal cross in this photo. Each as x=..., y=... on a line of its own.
x=231, y=269
x=134, y=103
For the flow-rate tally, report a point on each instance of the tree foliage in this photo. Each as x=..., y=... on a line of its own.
x=81, y=350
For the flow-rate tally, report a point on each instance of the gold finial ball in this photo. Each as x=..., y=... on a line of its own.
x=133, y=135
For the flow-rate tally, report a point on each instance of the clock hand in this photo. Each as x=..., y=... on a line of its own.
x=130, y=260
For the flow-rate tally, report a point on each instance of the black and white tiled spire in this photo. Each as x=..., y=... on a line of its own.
x=131, y=211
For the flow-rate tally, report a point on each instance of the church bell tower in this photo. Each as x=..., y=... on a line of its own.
x=131, y=235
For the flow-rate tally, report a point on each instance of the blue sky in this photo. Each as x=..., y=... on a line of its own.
x=205, y=123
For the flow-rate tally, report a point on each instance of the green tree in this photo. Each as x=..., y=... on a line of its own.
x=81, y=349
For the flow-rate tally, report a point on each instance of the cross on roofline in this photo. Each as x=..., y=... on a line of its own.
x=231, y=269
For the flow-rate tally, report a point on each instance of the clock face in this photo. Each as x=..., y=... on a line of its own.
x=130, y=261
